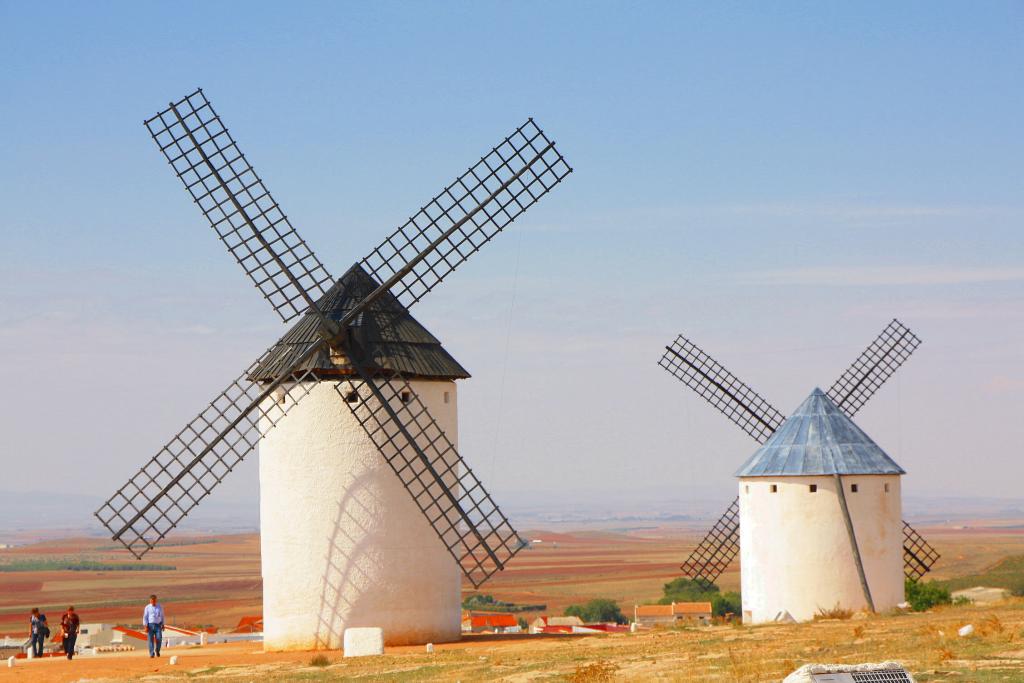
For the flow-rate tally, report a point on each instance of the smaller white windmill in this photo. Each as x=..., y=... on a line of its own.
x=817, y=522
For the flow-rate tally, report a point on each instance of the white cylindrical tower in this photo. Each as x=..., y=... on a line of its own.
x=796, y=553
x=343, y=544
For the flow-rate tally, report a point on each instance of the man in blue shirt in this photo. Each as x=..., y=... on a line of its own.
x=153, y=621
x=40, y=630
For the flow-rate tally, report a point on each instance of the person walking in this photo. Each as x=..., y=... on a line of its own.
x=40, y=632
x=70, y=625
x=153, y=620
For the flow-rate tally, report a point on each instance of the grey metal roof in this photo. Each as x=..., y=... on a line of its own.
x=818, y=439
x=390, y=338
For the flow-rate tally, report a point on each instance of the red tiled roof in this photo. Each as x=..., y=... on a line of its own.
x=493, y=620
x=654, y=611
x=131, y=633
x=692, y=608
x=249, y=624
x=673, y=609
x=608, y=628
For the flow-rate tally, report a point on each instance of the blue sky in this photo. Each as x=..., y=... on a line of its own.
x=776, y=182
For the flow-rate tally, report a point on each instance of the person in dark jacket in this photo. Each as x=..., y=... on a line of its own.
x=40, y=632
x=70, y=625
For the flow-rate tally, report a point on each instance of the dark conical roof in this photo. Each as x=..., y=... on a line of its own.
x=818, y=438
x=386, y=334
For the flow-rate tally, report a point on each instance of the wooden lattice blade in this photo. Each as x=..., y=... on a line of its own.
x=873, y=367
x=709, y=379
x=238, y=206
x=444, y=488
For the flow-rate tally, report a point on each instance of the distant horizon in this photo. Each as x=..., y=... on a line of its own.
x=227, y=517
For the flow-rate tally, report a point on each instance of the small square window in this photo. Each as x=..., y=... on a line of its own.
x=774, y=488
x=813, y=488
x=887, y=488
x=406, y=396
x=853, y=488
x=447, y=397
x=352, y=397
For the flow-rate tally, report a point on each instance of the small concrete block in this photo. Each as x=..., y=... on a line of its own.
x=634, y=627
x=363, y=642
x=173, y=661
x=10, y=662
x=966, y=631
x=430, y=648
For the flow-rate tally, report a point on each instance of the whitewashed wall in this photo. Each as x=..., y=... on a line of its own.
x=795, y=553
x=343, y=543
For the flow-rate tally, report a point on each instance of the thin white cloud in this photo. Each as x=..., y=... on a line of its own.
x=855, y=211
x=881, y=276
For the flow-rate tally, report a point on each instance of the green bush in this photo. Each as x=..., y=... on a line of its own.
x=726, y=603
x=487, y=603
x=688, y=590
x=597, y=610
x=49, y=565
x=923, y=596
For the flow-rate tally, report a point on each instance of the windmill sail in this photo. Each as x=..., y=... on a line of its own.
x=411, y=262
x=241, y=210
x=458, y=507
x=470, y=211
x=717, y=549
x=184, y=472
x=918, y=554
x=719, y=387
x=873, y=367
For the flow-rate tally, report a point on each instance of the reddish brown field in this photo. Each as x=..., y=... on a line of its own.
x=215, y=584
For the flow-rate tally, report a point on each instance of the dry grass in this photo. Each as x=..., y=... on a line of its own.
x=836, y=612
x=927, y=643
x=319, y=660
x=593, y=673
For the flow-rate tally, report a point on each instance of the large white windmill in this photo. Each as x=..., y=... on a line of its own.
x=368, y=512
x=817, y=522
